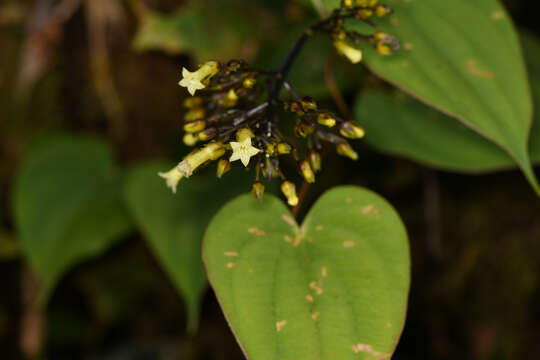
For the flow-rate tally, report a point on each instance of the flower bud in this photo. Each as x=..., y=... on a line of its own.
x=289, y=190
x=347, y=4
x=308, y=103
x=373, y=3
x=284, y=149
x=258, y=190
x=193, y=102
x=244, y=133
x=195, y=126
x=364, y=14
x=223, y=167
x=306, y=171
x=351, y=53
x=382, y=10
x=304, y=129
x=207, y=134
x=271, y=149
x=249, y=83
x=362, y=3
x=190, y=139
x=344, y=149
x=194, y=114
x=314, y=160
x=326, y=120
x=383, y=49
x=351, y=131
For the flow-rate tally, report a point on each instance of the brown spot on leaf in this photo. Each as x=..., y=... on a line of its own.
x=256, y=231
x=408, y=46
x=348, y=200
x=367, y=209
x=348, y=244
x=309, y=298
x=324, y=272
x=497, y=15
x=315, y=315
x=319, y=228
x=231, y=265
x=473, y=68
x=231, y=253
x=280, y=325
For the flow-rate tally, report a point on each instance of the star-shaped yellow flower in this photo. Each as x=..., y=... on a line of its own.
x=191, y=81
x=243, y=151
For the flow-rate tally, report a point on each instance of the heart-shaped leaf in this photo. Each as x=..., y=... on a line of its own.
x=174, y=224
x=334, y=288
x=67, y=205
x=464, y=58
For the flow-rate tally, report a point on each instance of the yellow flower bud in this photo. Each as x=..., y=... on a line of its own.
x=289, y=190
x=244, y=133
x=194, y=114
x=306, y=171
x=383, y=49
x=195, y=126
x=348, y=4
x=190, y=139
x=271, y=149
x=351, y=53
x=372, y=3
x=223, y=167
x=258, y=190
x=362, y=3
x=315, y=160
x=249, y=83
x=379, y=36
x=193, y=102
x=303, y=129
x=326, y=120
x=284, y=149
x=351, y=131
x=207, y=134
x=308, y=104
x=382, y=10
x=364, y=14
x=344, y=149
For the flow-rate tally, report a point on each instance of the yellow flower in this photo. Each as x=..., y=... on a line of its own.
x=196, y=80
x=243, y=151
x=173, y=177
x=351, y=53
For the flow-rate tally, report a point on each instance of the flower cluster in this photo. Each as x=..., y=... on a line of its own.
x=237, y=110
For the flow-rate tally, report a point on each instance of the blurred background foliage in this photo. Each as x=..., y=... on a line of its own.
x=101, y=75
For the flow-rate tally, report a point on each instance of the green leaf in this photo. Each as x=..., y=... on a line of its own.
x=219, y=29
x=334, y=288
x=67, y=205
x=447, y=63
x=399, y=125
x=174, y=224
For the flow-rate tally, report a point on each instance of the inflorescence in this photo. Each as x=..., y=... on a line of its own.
x=237, y=110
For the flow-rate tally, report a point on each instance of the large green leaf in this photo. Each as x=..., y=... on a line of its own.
x=334, y=288
x=174, y=224
x=67, y=205
x=428, y=136
x=462, y=57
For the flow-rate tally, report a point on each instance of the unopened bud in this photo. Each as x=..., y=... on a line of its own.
x=271, y=149
x=195, y=126
x=347, y=4
x=354, y=55
x=207, y=134
x=193, y=102
x=364, y=14
x=194, y=114
x=249, y=83
x=190, y=139
x=244, y=133
x=315, y=160
x=308, y=103
x=351, y=131
x=382, y=10
x=289, y=190
x=344, y=149
x=306, y=171
x=304, y=129
x=284, y=148
x=223, y=166
x=258, y=190
x=326, y=120
x=383, y=49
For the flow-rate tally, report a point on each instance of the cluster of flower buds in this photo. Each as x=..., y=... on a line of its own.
x=362, y=10
x=235, y=111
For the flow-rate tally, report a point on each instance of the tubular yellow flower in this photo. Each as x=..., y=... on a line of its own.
x=289, y=190
x=326, y=120
x=212, y=151
x=315, y=160
x=351, y=53
x=243, y=151
x=196, y=80
x=306, y=171
x=284, y=149
x=172, y=177
x=223, y=166
x=190, y=139
x=351, y=131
